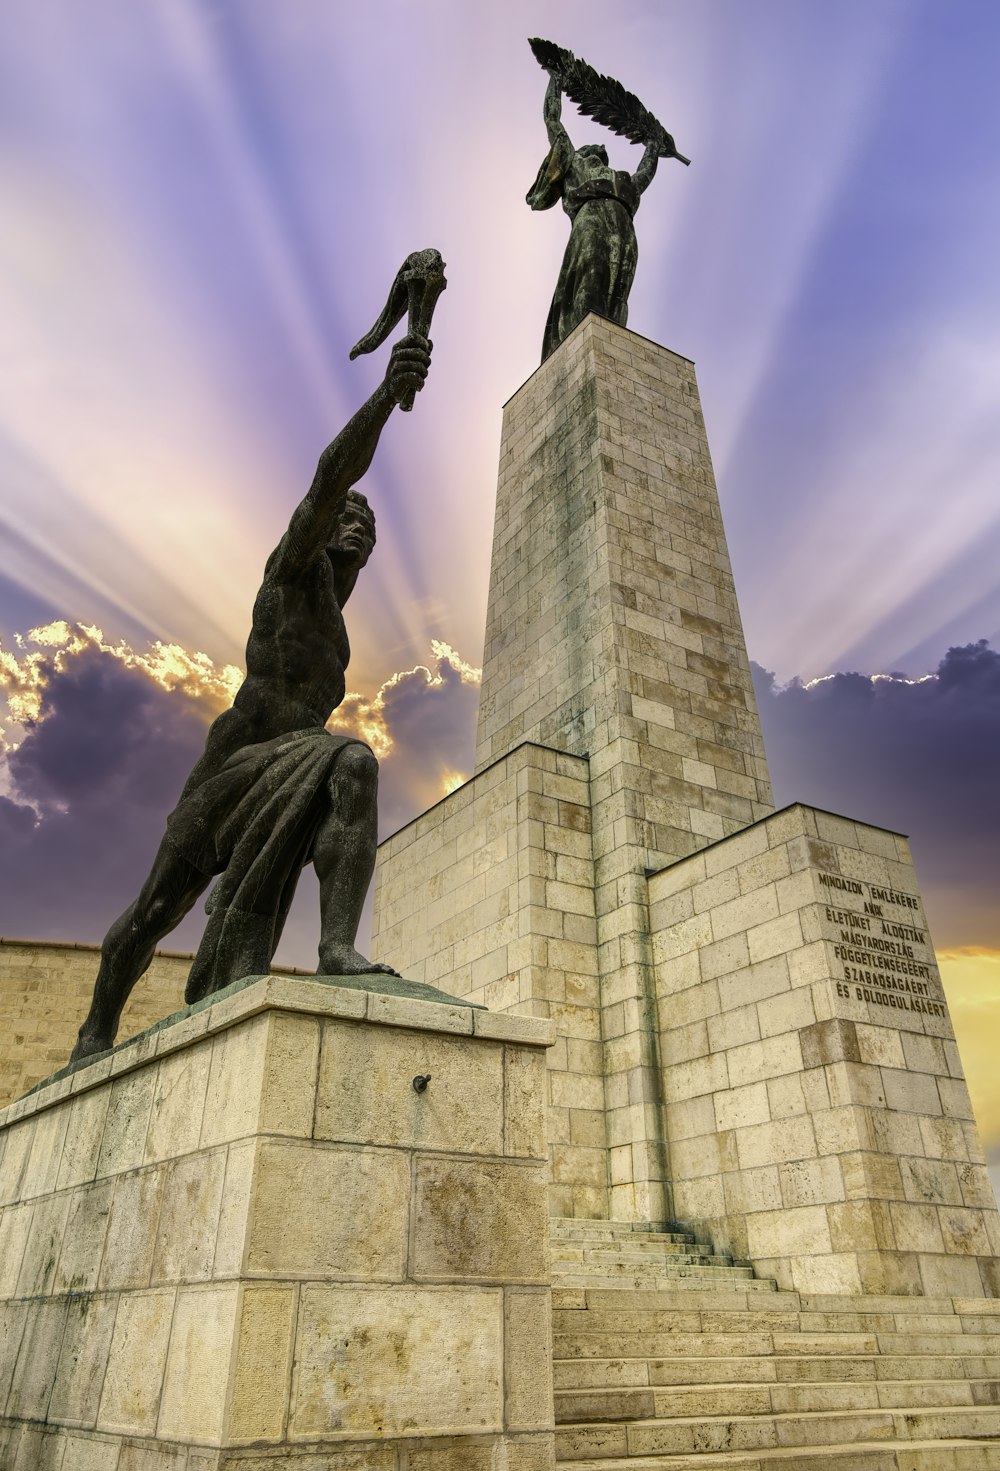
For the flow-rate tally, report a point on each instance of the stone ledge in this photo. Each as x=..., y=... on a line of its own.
x=613, y=329
x=770, y=823
x=321, y=996
x=523, y=754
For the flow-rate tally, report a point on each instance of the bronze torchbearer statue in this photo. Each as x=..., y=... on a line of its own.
x=599, y=264
x=274, y=790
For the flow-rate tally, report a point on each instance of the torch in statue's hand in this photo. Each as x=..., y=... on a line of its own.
x=407, y=371
x=418, y=284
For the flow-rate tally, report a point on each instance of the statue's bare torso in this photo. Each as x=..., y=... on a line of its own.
x=296, y=656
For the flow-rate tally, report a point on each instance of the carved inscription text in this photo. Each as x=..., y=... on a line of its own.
x=885, y=959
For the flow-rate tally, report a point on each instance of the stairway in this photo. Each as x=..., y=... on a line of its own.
x=668, y=1358
x=617, y=1254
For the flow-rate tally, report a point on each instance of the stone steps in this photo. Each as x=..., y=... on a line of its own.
x=654, y=1369
x=625, y=1439
x=575, y=1229
x=935, y=1455
x=663, y=1345
x=716, y=1286
x=656, y=1279
x=654, y=1251
x=619, y=1237
x=723, y=1298
x=652, y=1263
x=608, y=1255
x=594, y=1373
x=978, y=1315
x=578, y=1405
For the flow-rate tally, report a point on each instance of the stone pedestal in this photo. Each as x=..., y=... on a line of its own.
x=818, y=1120
x=246, y=1240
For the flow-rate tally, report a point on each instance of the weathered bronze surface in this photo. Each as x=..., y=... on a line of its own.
x=598, y=267
x=274, y=790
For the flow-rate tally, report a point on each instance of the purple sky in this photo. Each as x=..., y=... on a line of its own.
x=205, y=203
x=204, y=206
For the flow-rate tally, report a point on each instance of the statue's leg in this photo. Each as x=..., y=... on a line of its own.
x=344, y=859
x=169, y=892
x=236, y=943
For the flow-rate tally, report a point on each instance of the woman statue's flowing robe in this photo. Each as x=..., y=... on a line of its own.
x=599, y=264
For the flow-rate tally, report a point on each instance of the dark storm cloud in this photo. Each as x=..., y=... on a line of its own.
x=96, y=773
x=101, y=767
x=432, y=722
x=106, y=736
x=15, y=821
x=921, y=758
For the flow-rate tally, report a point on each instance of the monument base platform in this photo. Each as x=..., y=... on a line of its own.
x=246, y=1240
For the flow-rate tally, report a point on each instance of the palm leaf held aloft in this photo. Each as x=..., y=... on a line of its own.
x=603, y=98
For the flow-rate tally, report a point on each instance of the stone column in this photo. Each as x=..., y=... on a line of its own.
x=613, y=631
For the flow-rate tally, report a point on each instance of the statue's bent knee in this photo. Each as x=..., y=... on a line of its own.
x=157, y=915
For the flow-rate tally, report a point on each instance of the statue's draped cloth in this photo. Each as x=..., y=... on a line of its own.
x=598, y=267
x=254, y=822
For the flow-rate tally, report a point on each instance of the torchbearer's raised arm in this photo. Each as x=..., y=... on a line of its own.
x=418, y=284
x=346, y=459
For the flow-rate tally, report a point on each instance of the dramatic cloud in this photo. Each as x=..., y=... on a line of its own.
x=921, y=757
x=98, y=741
x=171, y=667
x=98, y=767
x=421, y=724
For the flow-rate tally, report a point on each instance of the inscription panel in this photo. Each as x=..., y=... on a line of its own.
x=885, y=963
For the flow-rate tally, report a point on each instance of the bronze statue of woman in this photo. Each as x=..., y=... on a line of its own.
x=599, y=264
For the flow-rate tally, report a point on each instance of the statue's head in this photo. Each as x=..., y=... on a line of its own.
x=595, y=150
x=355, y=536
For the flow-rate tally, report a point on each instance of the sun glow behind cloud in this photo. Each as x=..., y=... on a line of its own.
x=25, y=677
x=369, y=718
x=97, y=739
x=971, y=979
x=810, y=684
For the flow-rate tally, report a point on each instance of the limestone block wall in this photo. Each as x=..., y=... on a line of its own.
x=817, y=1114
x=490, y=895
x=612, y=613
x=45, y=990
x=247, y=1231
